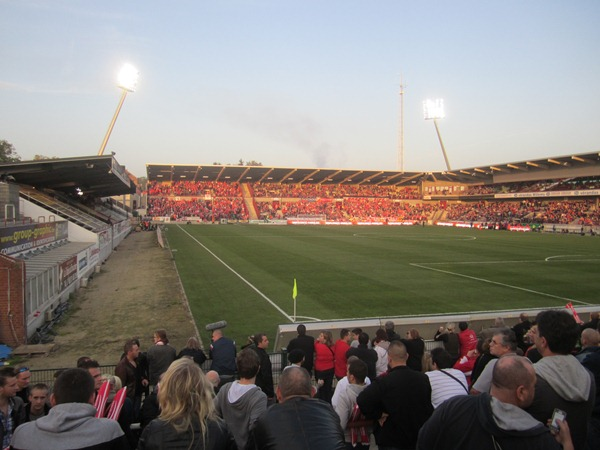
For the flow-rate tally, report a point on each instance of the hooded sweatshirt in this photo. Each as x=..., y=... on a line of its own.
x=70, y=426
x=240, y=405
x=563, y=383
x=483, y=422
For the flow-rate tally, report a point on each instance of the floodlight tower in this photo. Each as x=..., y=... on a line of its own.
x=127, y=81
x=433, y=110
x=401, y=136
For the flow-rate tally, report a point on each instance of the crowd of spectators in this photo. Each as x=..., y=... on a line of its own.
x=205, y=210
x=334, y=191
x=447, y=398
x=212, y=201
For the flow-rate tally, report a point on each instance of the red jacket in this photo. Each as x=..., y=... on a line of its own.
x=339, y=349
x=468, y=341
x=323, y=357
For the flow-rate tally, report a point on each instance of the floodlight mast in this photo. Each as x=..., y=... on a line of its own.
x=127, y=82
x=401, y=136
x=433, y=110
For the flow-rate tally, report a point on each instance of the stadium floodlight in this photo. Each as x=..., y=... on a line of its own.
x=127, y=81
x=433, y=110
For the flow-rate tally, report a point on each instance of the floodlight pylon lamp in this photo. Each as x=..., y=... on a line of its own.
x=128, y=78
x=433, y=109
x=127, y=81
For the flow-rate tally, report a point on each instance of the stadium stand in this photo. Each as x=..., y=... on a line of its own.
x=58, y=224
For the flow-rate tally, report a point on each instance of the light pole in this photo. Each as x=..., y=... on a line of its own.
x=128, y=77
x=433, y=110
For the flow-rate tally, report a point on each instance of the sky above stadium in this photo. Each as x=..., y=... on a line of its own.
x=302, y=83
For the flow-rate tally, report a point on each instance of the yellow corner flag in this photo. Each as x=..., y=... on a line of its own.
x=295, y=290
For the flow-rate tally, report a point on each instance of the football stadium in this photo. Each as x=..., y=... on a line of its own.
x=359, y=246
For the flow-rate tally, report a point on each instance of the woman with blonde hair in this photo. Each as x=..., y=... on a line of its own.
x=187, y=417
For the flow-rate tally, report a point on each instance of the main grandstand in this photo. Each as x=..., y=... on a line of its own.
x=558, y=194
x=63, y=217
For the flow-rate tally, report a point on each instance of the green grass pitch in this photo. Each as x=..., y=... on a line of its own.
x=244, y=274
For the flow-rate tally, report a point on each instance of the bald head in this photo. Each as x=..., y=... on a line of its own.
x=294, y=382
x=513, y=380
x=590, y=338
x=397, y=354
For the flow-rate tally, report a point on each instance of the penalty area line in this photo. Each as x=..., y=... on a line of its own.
x=497, y=283
x=254, y=288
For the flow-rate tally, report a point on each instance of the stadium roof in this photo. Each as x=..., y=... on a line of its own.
x=538, y=169
x=99, y=176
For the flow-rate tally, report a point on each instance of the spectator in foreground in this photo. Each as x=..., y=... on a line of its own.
x=562, y=382
x=400, y=402
x=12, y=409
x=71, y=424
x=298, y=422
x=187, y=414
x=589, y=357
x=496, y=420
x=242, y=402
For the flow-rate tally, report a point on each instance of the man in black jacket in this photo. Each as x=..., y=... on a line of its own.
x=12, y=408
x=264, y=377
x=298, y=421
x=306, y=344
x=399, y=401
x=495, y=420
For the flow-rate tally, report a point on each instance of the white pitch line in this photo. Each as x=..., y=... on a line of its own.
x=239, y=276
x=499, y=284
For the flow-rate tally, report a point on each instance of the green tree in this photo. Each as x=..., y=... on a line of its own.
x=8, y=152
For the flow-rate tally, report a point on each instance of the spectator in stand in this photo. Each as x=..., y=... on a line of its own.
x=400, y=402
x=297, y=421
x=450, y=339
x=264, y=377
x=356, y=431
x=93, y=368
x=532, y=353
x=593, y=322
x=242, y=402
x=467, y=338
x=306, y=344
x=503, y=343
x=589, y=357
x=12, y=409
x=187, y=413
x=493, y=421
x=222, y=353
x=23, y=379
x=324, y=365
x=366, y=354
x=192, y=350
x=415, y=346
x=562, y=382
x=483, y=348
x=127, y=371
x=391, y=334
x=159, y=356
x=521, y=330
x=38, y=405
x=466, y=364
x=70, y=423
x=342, y=345
x=445, y=382
x=381, y=345
x=341, y=384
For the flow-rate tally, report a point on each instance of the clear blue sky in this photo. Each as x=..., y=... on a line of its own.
x=301, y=83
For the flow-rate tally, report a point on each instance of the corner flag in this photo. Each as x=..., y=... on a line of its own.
x=295, y=290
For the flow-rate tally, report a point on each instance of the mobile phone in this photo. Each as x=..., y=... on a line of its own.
x=558, y=414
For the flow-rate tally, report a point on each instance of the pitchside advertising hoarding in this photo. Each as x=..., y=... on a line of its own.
x=21, y=238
